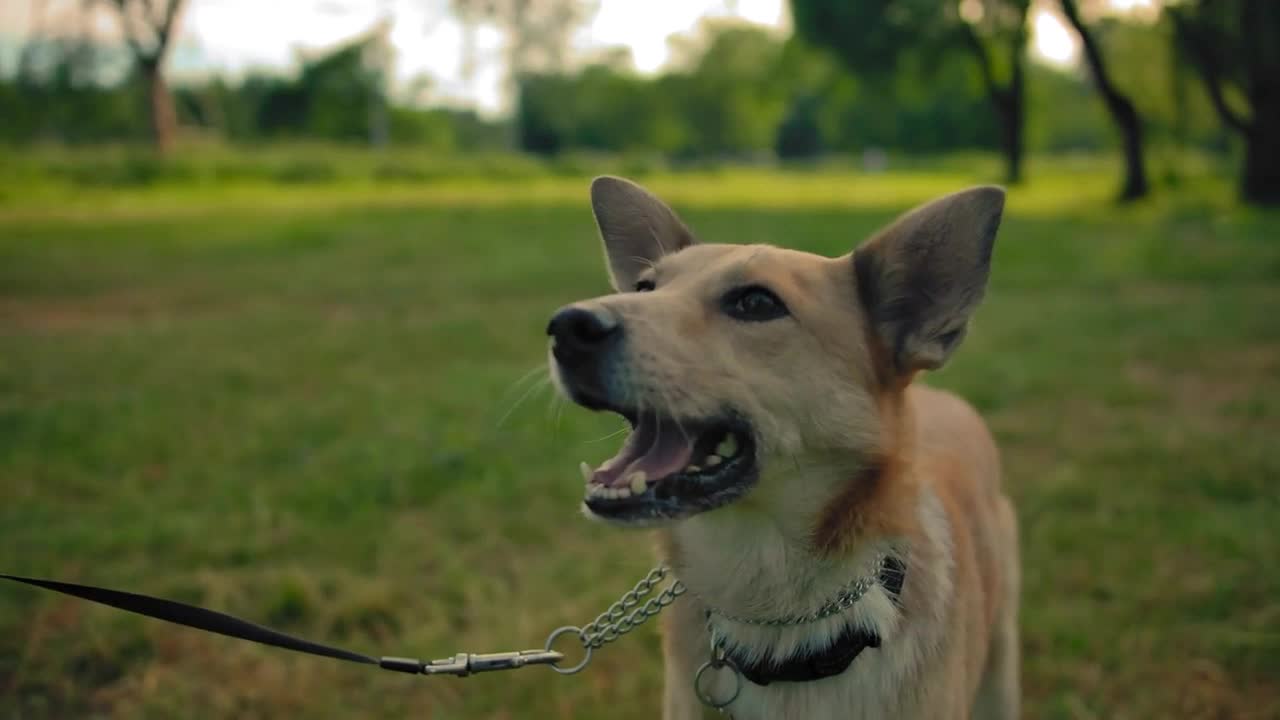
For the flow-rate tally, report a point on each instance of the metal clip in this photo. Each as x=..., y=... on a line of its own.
x=464, y=664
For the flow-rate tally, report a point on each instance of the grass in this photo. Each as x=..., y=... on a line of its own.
x=319, y=406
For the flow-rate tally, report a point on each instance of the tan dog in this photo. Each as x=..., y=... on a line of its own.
x=841, y=531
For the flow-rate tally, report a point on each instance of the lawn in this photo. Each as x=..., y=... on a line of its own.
x=323, y=407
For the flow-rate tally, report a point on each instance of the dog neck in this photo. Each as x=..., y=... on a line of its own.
x=802, y=535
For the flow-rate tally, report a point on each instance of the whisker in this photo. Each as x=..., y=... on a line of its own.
x=542, y=385
x=526, y=377
x=613, y=434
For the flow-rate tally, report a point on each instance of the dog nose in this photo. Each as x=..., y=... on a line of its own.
x=579, y=332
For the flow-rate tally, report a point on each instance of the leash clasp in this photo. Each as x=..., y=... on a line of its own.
x=464, y=664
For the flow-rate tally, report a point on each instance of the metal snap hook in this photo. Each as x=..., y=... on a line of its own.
x=555, y=634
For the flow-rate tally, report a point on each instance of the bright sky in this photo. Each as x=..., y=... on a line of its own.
x=428, y=41
x=234, y=35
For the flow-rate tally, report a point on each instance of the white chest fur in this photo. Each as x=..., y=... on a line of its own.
x=748, y=566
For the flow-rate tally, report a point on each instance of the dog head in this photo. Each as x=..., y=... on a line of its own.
x=732, y=362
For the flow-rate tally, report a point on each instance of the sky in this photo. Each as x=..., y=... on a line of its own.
x=426, y=39
x=231, y=36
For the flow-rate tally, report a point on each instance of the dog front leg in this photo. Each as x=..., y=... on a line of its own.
x=684, y=645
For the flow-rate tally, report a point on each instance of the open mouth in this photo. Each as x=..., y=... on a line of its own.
x=668, y=470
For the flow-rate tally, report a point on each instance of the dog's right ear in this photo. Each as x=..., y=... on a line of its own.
x=636, y=227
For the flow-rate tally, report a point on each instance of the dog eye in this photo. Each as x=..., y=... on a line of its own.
x=645, y=286
x=754, y=304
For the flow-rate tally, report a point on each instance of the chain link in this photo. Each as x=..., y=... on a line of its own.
x=847, y=598
x=631, y=610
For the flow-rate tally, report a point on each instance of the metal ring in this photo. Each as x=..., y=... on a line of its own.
x=706, y=697
x=555, y=634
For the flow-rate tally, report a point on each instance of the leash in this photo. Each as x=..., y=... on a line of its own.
x=621, y=618
x=632, y=610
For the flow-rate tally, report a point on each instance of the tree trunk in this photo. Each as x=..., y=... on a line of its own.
x=164, y=121
x=1261, y=185
x=1010, y=116
x=1015, y=114
x=1121, y=108
x=1135, y=171
x=1260, y=24
x=1007, y=102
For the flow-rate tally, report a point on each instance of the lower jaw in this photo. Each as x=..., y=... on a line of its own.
x=661, y=505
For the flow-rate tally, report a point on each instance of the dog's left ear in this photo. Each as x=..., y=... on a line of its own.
x=921, y=278
x=636, y=227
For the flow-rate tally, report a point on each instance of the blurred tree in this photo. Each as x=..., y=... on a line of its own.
x=729, y=99
x=1061, y=114
x=149, y=26
x=1123, y=113
x=800, y=134
x=1144, y=60
x=333, y=96
x=35, y=37
x=874, y=36
x=1235, y=45
x=536, y=32
x=724, y=98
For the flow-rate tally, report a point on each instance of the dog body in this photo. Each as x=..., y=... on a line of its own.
x=949, y=648
x=783, y=449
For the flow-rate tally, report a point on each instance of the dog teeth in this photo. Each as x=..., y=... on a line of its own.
x=728, y=447
x=693, y=469
x=587, y=472
x=621, y=493
x=637, y=480
x=712, y=460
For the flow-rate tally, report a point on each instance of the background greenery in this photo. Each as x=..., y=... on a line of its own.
x=733, y=90
x=319, y=403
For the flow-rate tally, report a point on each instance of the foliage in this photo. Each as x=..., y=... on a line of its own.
x=880, y=37
x=734, y=91
x=1232, y=44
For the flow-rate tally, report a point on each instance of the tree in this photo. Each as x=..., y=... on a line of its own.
x=1121, y=108
x=536, y=32
x=1233, y=44
x=1007, y=27
x=149, y=26
x=729, y=101
x=874, y=36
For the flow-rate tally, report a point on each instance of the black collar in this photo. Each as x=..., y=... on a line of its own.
x=836, y=658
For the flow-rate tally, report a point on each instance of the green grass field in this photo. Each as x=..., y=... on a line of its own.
x=322, y=407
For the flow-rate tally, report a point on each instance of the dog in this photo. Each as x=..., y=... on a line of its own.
x=841, y=531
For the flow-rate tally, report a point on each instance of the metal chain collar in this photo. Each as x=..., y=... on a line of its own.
x=632, y=611
x=848, y=596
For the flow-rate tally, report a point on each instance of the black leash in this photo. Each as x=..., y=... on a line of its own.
x=192, y=616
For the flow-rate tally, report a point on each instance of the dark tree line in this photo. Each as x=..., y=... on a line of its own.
x=1234, y=44
x=1121, y=108
x=912, y=76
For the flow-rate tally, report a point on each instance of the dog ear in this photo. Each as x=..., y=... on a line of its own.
x=636, y=227
x=921, y=278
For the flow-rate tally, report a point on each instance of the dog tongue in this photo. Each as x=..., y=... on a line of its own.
x=655, y=447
